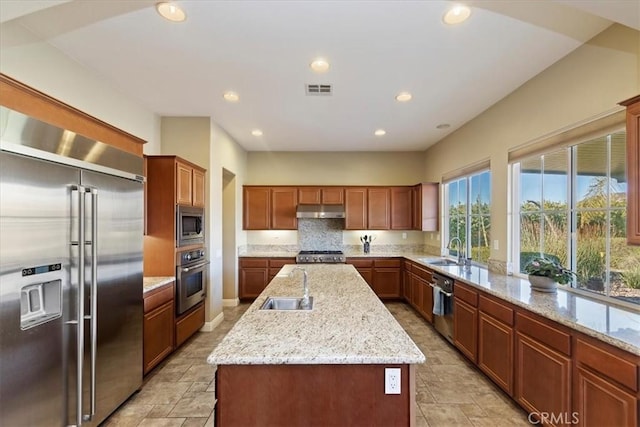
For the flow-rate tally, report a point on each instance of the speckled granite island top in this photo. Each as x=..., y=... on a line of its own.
x=347, y=325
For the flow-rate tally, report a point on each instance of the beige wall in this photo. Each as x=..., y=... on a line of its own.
x=588, y=82
x=335, y=168
x=44, y=68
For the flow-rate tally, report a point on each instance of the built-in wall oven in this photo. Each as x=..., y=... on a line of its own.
x=191, y=279
x=189, y=226
x=443, y=305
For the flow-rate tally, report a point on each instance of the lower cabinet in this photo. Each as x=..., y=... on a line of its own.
x=543, y=368
x=495, y=342
x=465, y=320
x=189, y=323
x=158, y=326
x=605, y=387
x=256, y=273
x=384, y=275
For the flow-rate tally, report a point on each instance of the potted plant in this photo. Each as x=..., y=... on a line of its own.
x=545, y=274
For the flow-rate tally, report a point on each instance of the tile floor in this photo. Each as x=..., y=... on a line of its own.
x=449, y=390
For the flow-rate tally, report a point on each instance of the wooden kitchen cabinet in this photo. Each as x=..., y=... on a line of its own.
x=542, y=365
x=364, y=266
x=190, y=185
x=465, y=320
x=605, y=387
x=355, y=206
x=276, y=264
x=496, y=341
x=253, y=277
x=401, y=208
x=158, y=325
x=633, y=169
x=321, y=195
x=269, y=208
x=406, y=282
x=387, y=277
x=189, y=323
x=425, y=206
x=379, y=209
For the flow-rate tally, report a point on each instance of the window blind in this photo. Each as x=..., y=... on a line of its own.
x=479, y=166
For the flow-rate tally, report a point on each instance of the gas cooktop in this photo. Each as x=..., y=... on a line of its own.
x=327, y=257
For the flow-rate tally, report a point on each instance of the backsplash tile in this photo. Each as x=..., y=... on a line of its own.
x=320, y=234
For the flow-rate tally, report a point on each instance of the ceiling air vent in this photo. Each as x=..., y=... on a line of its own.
x=319, y=90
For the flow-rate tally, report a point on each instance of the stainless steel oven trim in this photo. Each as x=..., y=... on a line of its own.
x=183, y=302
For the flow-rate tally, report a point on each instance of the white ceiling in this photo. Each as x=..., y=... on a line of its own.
x=261, y=50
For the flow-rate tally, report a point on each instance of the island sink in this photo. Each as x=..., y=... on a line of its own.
x=286, y=303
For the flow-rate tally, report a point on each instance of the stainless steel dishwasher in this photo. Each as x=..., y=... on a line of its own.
x=443, y=305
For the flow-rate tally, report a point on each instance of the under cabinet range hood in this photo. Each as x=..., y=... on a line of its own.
x=320, y=211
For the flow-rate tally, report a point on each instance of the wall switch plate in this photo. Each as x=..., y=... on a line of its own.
x=391, y=380
x=404, y=235
x=496, y=245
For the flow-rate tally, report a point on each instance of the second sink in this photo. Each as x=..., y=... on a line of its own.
x=285, y=303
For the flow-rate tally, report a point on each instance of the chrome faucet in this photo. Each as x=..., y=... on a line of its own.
x=461, y=250
x=305, y=287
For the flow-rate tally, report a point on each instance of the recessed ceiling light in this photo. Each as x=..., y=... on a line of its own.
x=319, y=65
x=231, y=96
x=171, y=11
x=457, y=14
x=443, y=126
x=380, y=132
x=256, y=132
x=403, y=97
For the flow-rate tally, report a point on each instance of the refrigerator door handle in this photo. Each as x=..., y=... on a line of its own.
x=80, y=301
x=94, y=297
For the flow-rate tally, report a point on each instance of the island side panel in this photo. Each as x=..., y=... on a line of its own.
x=321, y=395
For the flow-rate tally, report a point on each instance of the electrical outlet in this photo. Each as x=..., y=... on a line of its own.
x=404, y=235
x=496, y=245
x=391, y=380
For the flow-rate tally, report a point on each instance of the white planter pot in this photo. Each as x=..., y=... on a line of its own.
x=543, y=284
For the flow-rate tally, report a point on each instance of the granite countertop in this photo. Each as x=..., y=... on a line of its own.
x=610, y=323
x=151, y=283
x=347, y=325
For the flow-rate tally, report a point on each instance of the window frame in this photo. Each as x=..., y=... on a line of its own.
x=514, y=216
x=468, y=214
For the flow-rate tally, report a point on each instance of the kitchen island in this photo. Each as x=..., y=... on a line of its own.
x=324, y=366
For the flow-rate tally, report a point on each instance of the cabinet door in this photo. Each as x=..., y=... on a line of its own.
x=284, y=201
x=427, y=301
x=256, y=208
x=599, y=402
x=406, y=286
x=401, y=208
x=184, y=187
x=416, y=205
x=355, y=208
x=416, y=292
x=495, y=351
x=427, y=214
x=252, y=282
x=386, y=282
x=367, y=275
x=333, y=196
x=542, y=382
x=309, y=195
x=379, y=209
x=633, y=172
x=198, y=188
x=465, y=328
x=158, y=335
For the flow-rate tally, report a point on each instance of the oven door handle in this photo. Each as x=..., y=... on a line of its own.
x=194, y=267
x=447, y=294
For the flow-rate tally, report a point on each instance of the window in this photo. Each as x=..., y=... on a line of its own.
x=571, y=206
x=467, y=213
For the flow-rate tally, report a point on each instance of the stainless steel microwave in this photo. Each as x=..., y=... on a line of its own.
x=190, y=226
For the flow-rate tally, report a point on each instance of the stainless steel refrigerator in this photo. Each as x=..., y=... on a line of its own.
x=71, y=229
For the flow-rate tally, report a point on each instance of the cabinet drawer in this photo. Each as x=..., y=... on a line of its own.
x=465, y=294
x=189, y=324
x=254, y=262
x=544, y=333
x=408, y=265
x=387, y=262
x=158, y=296
x=497, y=310
x=423, y=273
x=607, y=361
x=278, y=263
x=360, y=262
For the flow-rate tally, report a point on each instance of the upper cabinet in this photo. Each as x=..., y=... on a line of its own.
x=401, y=208
x=321, y=195
x=355, y=207
x=427, y=206
x=379, y=208
x=633, y=169
x=270, y=208
x=189, y=185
